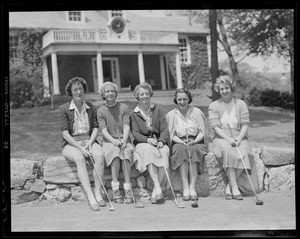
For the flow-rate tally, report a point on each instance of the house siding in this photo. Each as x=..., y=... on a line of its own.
x=196, y=73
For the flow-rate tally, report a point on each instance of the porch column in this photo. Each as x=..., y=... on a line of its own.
x=56, y=90
x=168, y=74
x=178, y=71
x=162, y=72
x=46, y=78
x=141, y=67
x=99, y=70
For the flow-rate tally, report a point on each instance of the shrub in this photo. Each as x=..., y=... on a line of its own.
x=26, y=89
x=20, y=90
x=269, y=97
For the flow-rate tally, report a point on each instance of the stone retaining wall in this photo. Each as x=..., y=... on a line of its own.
x=273, y=169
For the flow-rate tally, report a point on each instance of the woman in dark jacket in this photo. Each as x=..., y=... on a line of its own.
x=151, y=135
x=79, y=126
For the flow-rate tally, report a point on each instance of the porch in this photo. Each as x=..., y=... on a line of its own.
x=103, y=36
x=98, y=57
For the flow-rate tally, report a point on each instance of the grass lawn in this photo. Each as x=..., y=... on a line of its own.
x=35, y=135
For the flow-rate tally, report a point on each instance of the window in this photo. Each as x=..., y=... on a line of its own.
x=116, y=13
x=75, y=16
x=13, y=43
x=184, y=50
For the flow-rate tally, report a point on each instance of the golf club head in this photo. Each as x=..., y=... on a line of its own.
x=194, y=204
x=259, y=202
x=180, y=206
x=139, y=205
x=111, y=209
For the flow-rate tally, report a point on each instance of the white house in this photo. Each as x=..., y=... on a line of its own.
x=117, y=46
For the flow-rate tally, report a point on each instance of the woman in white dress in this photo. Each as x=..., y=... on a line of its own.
x=232, y=111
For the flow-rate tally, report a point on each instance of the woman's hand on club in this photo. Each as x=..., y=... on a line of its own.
x=160, y=144
x=85, y=152
x=152, y=141
x=124, y=145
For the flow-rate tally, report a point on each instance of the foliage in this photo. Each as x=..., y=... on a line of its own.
x=269, y=97
x=195, y=74
x=30, y=48
x=26, y=89
x=26, y=81
x=263, y=31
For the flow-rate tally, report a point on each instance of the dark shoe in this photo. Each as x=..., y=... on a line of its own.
x=228, y=196
x=128, y=197
x=153, y=200
x=238, y=197
x=101, y=203
x=186, y=198
x=117, y=196
x=194, y=197
x=94, y=207
x=160, y=198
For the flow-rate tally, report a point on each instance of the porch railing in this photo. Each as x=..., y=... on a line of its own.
x=102, y=36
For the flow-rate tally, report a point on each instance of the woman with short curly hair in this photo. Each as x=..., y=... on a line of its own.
x=79, y=126
x=113, y=118
x=232, y=111
x=150, y=131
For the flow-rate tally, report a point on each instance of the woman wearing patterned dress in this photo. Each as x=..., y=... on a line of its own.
x=187, y=125
x=150, y=131
x=79, y=126
x=113, y=118
x=232, y=111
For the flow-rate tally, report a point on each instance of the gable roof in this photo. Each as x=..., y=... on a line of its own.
x=94, y=20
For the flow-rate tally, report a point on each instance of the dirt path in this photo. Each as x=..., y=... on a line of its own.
x=213, y=214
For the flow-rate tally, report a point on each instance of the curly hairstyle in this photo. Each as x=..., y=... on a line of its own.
x=226, y=80
x=108, y=84
x=68, y=88
x=183, y=90
x=145, y=86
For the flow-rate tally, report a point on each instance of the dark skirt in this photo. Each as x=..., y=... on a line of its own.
x=179, y=154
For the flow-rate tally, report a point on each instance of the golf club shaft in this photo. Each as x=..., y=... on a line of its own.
x=167, y=175
x=122, y=154
x=190, y=157
x=232, y=135
x=92, y=159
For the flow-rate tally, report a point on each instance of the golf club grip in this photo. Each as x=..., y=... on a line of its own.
x=230, y=131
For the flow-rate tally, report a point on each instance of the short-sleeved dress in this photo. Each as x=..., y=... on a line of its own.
x=113, y=118
x=142, y=128
x=235, y=114
x=194, y=123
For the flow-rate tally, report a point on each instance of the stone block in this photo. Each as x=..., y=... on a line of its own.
x=21, y=171
x=282, y=179
x=257, y=175
x=276, y=156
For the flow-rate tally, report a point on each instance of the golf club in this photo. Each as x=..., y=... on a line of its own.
x=136, y=204
x=178, y=205
x=258, y=202
x=111, y=205
x=194, y=204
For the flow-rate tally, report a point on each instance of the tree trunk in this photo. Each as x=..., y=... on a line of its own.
x=214, y=51
x=233, y=66
x=292, y=71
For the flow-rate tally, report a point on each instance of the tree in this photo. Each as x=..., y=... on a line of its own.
x=265, y=32
x=214, y=51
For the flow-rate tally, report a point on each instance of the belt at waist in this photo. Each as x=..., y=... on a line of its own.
x=189, y=137
x=81, y=137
